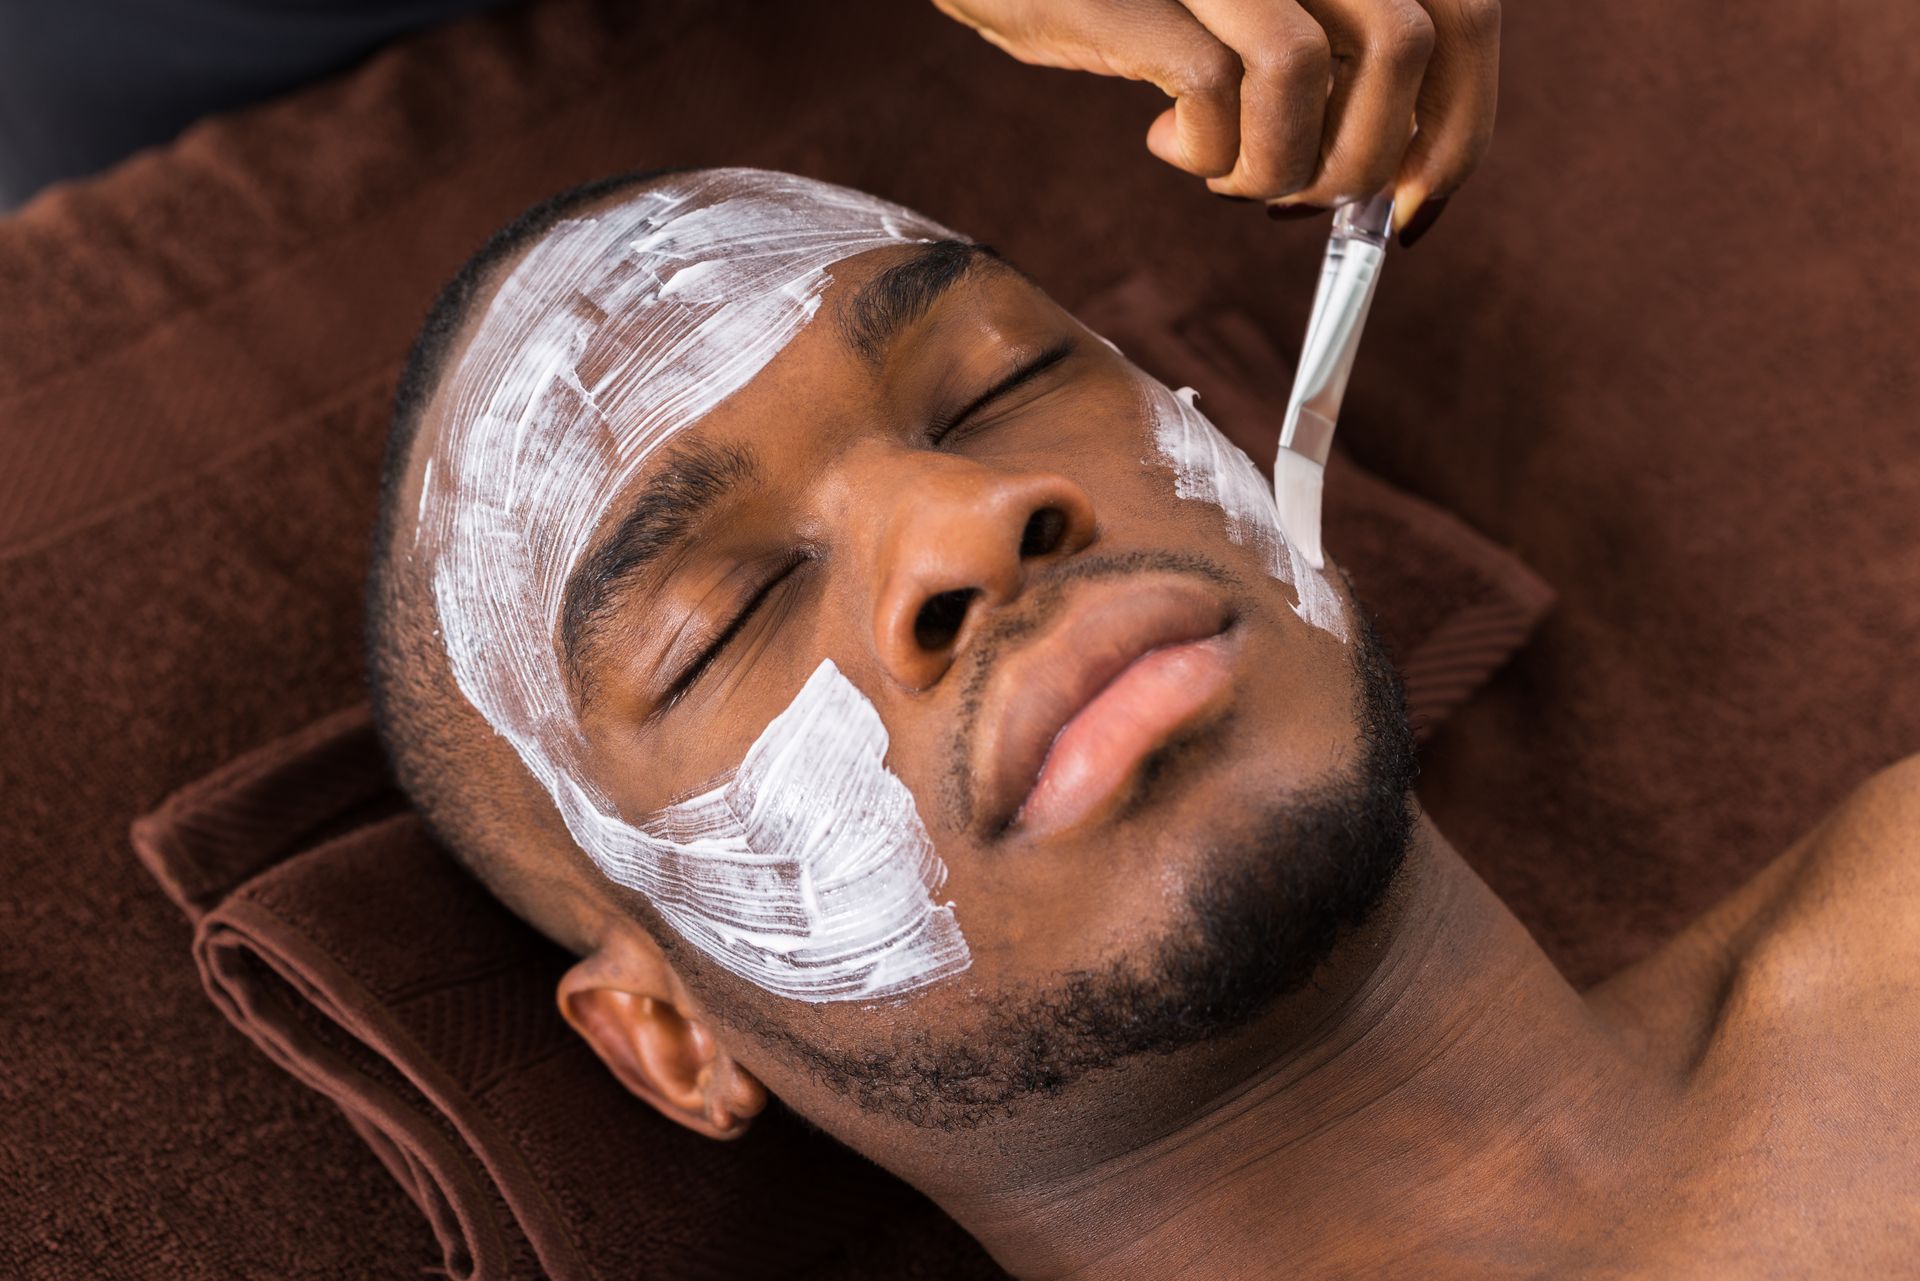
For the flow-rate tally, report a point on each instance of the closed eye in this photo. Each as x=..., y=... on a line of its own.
x=690, y=675
x=1027, y=371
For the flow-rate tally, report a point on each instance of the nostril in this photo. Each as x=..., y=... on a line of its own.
x=938, y=623
x=1045, y=531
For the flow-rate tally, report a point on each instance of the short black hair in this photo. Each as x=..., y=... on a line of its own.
x=407, y=683
x=427, y=360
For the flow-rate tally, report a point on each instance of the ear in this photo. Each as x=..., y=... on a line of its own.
x=631, y=1008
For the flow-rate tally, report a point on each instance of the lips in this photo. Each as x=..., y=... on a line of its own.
x=1069, y=718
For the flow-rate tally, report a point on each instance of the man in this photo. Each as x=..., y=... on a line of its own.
x=903, y=706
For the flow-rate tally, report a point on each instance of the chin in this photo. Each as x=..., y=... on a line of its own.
x=1244, y=878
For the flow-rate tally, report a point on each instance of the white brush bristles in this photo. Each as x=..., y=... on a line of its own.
x=1297, y=482
x=1209, y=468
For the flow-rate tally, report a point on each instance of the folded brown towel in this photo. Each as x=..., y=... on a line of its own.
x=359, y=956
x=377, y=972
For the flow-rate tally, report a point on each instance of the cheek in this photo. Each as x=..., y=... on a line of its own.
x=806, y=870
x=1210, y=470
x=1160, y=476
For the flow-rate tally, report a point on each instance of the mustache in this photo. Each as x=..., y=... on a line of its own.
x=1047, y=594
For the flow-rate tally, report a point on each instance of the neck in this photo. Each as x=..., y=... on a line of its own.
x=1460, y=1105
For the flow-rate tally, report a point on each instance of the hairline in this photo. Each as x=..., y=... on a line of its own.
x=404, y=702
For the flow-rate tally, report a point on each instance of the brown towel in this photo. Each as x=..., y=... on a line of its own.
x=1671, y=366
x=361, y=959
x=378, y=973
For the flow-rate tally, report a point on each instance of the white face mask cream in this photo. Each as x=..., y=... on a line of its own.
x=807, y=870
x=1210, y=468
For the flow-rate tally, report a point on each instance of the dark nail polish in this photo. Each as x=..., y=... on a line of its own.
x=1423, y=218
x=1293, y=213
x=1238, y=200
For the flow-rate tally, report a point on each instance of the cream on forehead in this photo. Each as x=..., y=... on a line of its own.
x=806, y=870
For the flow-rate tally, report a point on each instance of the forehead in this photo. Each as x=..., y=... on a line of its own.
x=618, y=329
x=631, y=318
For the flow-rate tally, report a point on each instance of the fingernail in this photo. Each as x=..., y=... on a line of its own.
x=1292, y=213
x=1423, y=218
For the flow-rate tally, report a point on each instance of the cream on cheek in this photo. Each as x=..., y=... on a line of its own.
x=806, y=870
x=1208, y=467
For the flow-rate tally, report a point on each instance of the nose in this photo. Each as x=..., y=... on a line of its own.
x=959, y=540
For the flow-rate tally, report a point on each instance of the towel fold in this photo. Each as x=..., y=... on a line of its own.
x=375, y=971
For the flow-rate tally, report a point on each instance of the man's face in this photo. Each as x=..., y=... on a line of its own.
x=1102, y=702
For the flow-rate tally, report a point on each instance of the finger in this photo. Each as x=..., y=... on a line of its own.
x=1381, y=49
x=1456, y=106
x=1166, y=46
x=1199, y=133
x=1286, y=63
x=1157, y=41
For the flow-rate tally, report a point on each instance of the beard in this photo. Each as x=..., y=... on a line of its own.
x=1260, y=920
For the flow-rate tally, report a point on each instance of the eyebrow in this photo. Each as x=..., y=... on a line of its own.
x=872, y=319
x=698, y=476
x=695, y=479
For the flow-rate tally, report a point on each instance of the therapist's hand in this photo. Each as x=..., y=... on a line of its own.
x=1306, y=102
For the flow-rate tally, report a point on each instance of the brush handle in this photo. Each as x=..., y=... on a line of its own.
x=1348, y=275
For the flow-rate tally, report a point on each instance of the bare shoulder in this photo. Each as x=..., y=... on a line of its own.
x=1804, y=1082
x=1838, y=911
x=1891, y=796
x=1833, y=949
x=1863, y=863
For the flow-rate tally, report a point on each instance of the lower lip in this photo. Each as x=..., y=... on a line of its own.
x=1094, y=756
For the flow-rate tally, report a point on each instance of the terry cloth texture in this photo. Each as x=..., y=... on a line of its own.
x=1661, y=347
x=370, y=966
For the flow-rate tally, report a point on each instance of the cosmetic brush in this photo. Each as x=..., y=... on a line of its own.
x=1348, y=274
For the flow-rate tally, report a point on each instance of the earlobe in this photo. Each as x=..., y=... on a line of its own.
x=632, y=1015
x=733, y=1095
